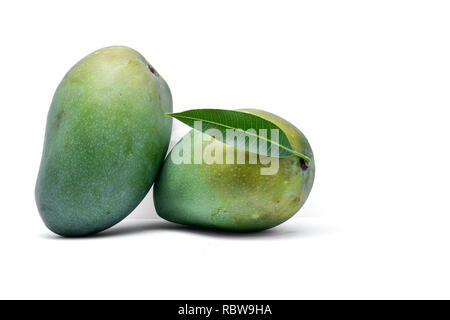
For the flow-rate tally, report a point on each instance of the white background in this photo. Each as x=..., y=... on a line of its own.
x=366, y=81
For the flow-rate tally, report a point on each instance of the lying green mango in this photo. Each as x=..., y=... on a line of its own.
x=235, y=196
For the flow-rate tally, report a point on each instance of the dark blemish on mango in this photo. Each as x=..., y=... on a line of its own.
x=128, y=148
x=59, y=116
x=303, y=164
x=107, y=213
x=45, y=207
x=152, y=70
x=219, y=211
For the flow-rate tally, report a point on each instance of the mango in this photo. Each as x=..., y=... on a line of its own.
x=235, y=196
x=106, y=138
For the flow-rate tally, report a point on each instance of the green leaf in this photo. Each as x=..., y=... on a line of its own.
x=240, y=122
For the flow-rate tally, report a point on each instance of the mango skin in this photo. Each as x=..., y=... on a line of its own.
x=235, y=196
x=106, y=138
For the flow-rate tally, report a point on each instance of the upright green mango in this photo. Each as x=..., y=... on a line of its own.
x=235, y=196
x=105, y=140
